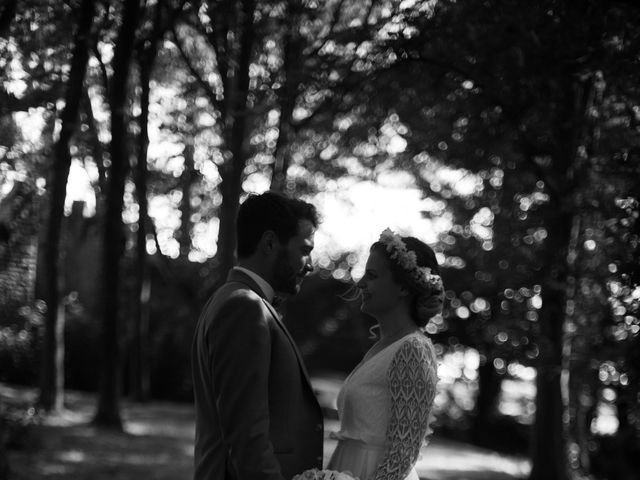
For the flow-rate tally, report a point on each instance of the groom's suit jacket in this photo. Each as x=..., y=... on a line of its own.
x=256, y=414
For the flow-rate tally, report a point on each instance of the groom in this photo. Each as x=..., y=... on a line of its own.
x=256, y=414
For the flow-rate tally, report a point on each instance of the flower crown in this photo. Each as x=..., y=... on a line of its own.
x=407, y=259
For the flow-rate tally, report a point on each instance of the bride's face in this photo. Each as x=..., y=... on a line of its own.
x=380, y=292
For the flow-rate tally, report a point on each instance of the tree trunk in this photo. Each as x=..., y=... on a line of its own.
x=292, y=52
x=7, y=14
x=227, y=237
x=576, y=388
x=140, y=354
x=51, y=383
x=141, y=385
x=584, y=312
x=550, y=447
x=232, y=170
x=108, y=411
x=97, y=150
x=43, y=214
x=4, y=460
x=489, y=383
x=548, y=456
x=187, y=179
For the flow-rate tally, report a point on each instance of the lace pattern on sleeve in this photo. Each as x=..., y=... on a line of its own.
x=412, y=381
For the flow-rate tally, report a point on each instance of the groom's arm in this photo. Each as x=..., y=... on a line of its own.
x=241, y=353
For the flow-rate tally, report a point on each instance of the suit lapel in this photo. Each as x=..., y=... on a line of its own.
x=240, y=277
x=276, y=315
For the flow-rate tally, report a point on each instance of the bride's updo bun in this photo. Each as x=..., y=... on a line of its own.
x=427, y=306
x=414, y=265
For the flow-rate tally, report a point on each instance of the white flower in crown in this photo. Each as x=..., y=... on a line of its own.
x=431, y=278
x=407, y=259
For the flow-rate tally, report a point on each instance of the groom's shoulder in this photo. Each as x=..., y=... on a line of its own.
x=234, y=297
x=233, y=305
x=236, y=293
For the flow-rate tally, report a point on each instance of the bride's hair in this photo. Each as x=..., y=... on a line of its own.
x=426, y=301
x=354, y=293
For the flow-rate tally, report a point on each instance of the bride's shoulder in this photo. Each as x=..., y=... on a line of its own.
x=417, y=345
x=419, y=340
x=416, y=355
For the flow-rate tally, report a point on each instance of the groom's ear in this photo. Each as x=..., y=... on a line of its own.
x=269, y=242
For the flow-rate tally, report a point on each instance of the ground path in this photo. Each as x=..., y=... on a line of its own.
x=158, y=441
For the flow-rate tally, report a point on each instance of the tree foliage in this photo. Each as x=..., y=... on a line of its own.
x=518, y=123
x=522, y=98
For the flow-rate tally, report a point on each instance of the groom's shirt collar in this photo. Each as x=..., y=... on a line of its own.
x=267, y=289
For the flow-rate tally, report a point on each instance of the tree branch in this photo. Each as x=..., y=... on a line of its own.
x=35, y=98
x=334, y=22
x=211, y=95
x=98, y=147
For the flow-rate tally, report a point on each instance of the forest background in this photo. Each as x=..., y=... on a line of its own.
x=517, y=125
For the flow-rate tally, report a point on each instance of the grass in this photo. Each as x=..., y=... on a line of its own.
x=157, y=444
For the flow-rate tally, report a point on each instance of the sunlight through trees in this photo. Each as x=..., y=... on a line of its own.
x=505, y=135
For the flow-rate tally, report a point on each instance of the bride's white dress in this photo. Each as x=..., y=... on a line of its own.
x=384, y=408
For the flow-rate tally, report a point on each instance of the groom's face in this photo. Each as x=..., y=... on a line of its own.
x=293, y=261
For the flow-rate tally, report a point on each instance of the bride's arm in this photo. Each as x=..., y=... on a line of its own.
x=412, y=382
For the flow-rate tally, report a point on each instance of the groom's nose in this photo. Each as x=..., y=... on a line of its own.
x=308, y=268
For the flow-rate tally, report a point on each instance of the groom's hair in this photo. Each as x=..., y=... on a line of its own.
x=270, y=211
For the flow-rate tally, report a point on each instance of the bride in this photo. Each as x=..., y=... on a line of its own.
x=385, y=403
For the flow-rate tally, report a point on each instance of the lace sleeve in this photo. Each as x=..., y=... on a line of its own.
x=412, y=382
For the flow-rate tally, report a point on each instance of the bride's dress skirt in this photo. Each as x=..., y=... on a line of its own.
x=359, y=459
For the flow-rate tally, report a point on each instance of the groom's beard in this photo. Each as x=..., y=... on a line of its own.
x=286, y=279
